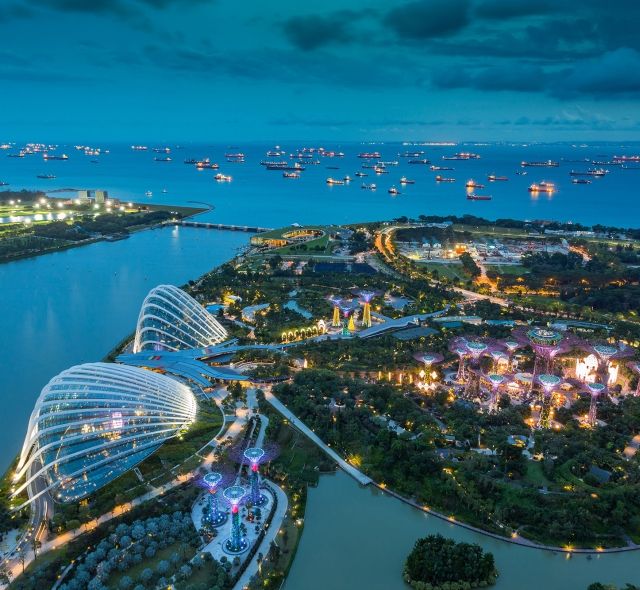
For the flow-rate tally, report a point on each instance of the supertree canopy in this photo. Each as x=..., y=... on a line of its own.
x=548, y=383
x=365, y=298
x=546, y=344
x=236, y=543
x=348, y=325
x=496, y=381
x=428, y=358
x=635, y=367
x=336, y=302
x=605, y=353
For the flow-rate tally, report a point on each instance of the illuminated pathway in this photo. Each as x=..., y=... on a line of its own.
x=295, y=421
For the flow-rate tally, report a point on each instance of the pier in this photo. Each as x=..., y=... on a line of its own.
x=220, y=226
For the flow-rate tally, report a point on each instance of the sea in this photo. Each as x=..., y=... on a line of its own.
x=257, y=196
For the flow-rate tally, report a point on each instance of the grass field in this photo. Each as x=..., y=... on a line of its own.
x=507, y=269
x=451, y=271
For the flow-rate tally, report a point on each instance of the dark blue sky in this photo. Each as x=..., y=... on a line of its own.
x=181, y=70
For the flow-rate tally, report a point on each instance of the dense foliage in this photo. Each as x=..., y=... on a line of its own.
x=436, y=561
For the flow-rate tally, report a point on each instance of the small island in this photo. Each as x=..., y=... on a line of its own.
x=436, y=563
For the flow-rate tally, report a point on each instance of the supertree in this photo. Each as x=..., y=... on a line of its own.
x=605, y=353
x=511, y=346
x=236, y=543
x=546, y=345
x=548, y=383
x=595, y=389
x=212, y=482
x=497, y=355
x=428, y=359
x=477, y=349
x=462, y=354
x=348, y=325
x=495, y=380
x=365, y=298
x=336, y=302
x=254, y=455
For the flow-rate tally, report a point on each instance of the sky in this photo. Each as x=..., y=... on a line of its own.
x=207, y=70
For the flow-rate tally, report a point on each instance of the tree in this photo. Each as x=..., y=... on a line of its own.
x=185, y=571
x=125, y=583
x=163, y=567
x=146, y=575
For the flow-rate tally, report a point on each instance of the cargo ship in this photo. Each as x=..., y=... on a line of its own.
x=545, y=164
x=473, y=184
x=393, y=191
x=332, y=181
x=444, y=179
x=462, y=156
x=474, y=197
x=162, y=150
x=380, y=170
x=542, y=187
x=590, y=172
x=222, y=178
x=291, y=174
x=369, y=187
x=580, y=181
x=46, y=176
x=405, y=180
x=165, y=159
x=494, y=178
x=439, y=168
x=52, y=157
x=420, y=161
x=358, y=173
x=369, y=155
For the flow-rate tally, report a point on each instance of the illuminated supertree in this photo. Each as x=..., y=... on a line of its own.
x=336, y=302
x=236, y=543
x=546, y=345
x=495, y=380
x=428, y=359
x=463, y=355
x=477, y=350
x=511, y=346
x=215, y=517
x=365, y=298
x=595, y=389
x=548, y=383
x=254, y=455
x=348, y=325
x=606, y=353
x=497, y=355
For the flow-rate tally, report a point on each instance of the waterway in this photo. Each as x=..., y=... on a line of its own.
x=74, y=306
x=357, y=537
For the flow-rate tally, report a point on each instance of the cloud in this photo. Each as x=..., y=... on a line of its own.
x=524, y=78
x=428, y=19
x=315, y=31
x=504, y=9
x=615, y=74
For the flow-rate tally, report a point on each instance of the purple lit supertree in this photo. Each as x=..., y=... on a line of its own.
x=595, y=389
x=511, y=346
x=497, y=355
x=546, y=345
x=236, y=543
x=605, y=353
x=635, y=367
x=462, y=354
x=495, y=380
x=212, y=482
x=548, y=383
x=255, y=455
x=348, y=325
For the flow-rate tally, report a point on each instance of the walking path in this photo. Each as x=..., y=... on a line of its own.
x=295, y=421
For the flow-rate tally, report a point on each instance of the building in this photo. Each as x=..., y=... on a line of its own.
x=100, y=196
x=172, y=320
x=94, y=422
x=83, y=196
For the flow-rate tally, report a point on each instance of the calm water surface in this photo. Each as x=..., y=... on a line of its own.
x=74, y=306
x=358, y=538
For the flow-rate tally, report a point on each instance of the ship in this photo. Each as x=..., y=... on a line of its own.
x=46, y=176
x=347, y=179
x=222, y=177
x=286, y=166
x=190, y=161
x=590, y=172
x=291, y=174
x=53, y=157
x=393, y=191
x=380, y=170
x=369, y=155
x=474, y=197
x=165, y=159
x=521, y=172
x=411, y=154
x=444, y=179
x=3, y=183
x=462, y=156
x=473, y=184
x=542, y=187
x=275, y=152
x=139, y=148
x=623, y=159
x=494, y=178
x=234, y=156
x=162, y=150
x=148, y=194
x=332, y=181
x=545, y=164
x=369, y=187
x=580, y=181
x=420, y=161
x=439, y=168
x=405, y=180
x=393, y=163
x=206, y=164
x=358, y=173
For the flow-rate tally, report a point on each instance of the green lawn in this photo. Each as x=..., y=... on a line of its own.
x=507, y=269
x=450, y=271
x=535, y=475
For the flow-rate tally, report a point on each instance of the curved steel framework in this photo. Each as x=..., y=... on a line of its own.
x=172, y=320
x=93, y=422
